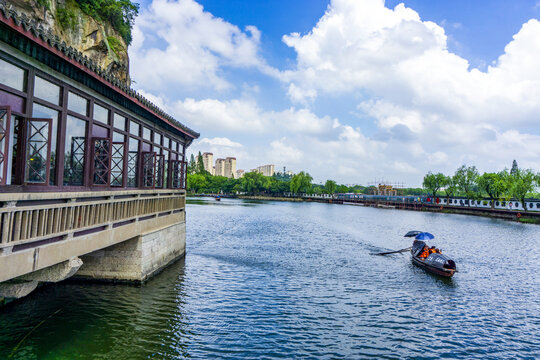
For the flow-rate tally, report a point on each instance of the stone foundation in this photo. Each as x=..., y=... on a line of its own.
x=137, y=259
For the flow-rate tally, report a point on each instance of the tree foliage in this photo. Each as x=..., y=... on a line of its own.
x=330, y=186
x=523, y=182
x=120, y=14
x=450, y=186
x=301, y=183
x=465, y=178
x=200, y=164
x=495, y=185
x=433, y=182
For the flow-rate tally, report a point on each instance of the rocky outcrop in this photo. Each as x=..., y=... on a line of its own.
x=99, y=42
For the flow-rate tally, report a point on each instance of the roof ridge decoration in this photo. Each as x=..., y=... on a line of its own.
x=53, y=40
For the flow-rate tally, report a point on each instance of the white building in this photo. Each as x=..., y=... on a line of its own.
x=230, y=167
x=208, y=161
x=266, y=170
x=220, y=167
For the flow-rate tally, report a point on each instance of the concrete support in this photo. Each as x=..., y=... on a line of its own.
x=24, y=285
x=56, y=272
x=137, y=259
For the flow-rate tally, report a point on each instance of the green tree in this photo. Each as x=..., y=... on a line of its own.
x=330, y=186
x=253, y=183
x=514, y=169
x=342, y=189
x=433, y=182
x=216, y=184
x=450, y=187
x=465, y=178
x=191, y=165
x=200, y=164
x=301, y=183
x=523, y=182
x=196, y=182
x=495, y=185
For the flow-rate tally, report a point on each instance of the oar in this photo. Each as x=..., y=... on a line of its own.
x=394, y=252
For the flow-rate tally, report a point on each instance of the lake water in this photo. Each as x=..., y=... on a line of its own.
x=266, y=280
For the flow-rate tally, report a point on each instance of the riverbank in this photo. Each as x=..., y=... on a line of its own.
x=511, y=215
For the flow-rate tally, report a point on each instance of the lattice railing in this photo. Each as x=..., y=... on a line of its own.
x=21, y=224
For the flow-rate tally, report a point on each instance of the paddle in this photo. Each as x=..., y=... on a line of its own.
x=394, y=252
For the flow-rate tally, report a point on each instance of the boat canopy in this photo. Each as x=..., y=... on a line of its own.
x=413, y=233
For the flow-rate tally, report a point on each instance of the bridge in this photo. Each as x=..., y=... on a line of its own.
x=92, y=174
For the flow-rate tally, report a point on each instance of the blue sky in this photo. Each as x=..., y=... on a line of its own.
x=351, y=90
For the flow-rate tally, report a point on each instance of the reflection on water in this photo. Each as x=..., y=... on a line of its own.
x=297, y=280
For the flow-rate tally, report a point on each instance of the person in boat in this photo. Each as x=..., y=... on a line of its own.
x=432, y=250
x=425, y=252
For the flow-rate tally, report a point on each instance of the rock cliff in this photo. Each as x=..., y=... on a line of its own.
x=98, y=41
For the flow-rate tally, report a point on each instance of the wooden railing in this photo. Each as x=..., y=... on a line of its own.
x=26, y=218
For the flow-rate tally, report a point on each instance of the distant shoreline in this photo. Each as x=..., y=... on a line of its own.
x=523, y=217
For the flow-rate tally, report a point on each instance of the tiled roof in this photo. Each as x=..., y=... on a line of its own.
x=29, y=25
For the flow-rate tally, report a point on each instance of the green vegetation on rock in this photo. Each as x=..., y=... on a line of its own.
x=115, y=45
x=119, y=13
x=66, y=15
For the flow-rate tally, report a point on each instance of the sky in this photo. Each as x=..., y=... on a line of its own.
x=356, y=91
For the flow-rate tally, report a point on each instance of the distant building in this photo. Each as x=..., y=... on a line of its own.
x=220, y=167
x=239, y=173
x=230, y=167
x=266, y=170
x=289, y=172
x=208, y=161
x=386, y=190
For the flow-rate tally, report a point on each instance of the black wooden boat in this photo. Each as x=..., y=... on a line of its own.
x=435, y=263
x=218, y=198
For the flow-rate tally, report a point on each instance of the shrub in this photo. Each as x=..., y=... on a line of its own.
x=119, y=13
x=66, y=17
x=115, y=44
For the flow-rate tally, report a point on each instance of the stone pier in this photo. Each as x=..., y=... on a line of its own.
x=137, y=259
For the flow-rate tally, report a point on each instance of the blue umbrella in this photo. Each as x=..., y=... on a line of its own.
x=424, y=236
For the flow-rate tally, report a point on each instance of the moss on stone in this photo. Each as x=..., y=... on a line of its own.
x=115, y=45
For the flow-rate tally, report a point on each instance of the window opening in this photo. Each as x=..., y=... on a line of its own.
x=132, y=162
x=12, y=76
x=38, y=151
x=117, y=164
x=101, y=154
x=46, y=90
x=149, y=169
x=40, y=111
x=101, y=114
x=160, y=167
x=75, y=149
x=5, y=117
x=77, y=104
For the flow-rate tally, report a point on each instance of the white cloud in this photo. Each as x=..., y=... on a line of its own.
x=284, y=153
x=177, y=42
x=431, y=110
x=427, y=102
x=245, y=116
x=219, y=141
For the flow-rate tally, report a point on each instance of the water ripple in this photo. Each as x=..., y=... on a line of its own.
x=286, y=280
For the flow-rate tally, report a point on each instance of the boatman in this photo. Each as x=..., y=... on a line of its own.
x=425, y=252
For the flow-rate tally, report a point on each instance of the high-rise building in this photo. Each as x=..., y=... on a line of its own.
x=239, y=173
x=220, y=167
x=266, y=170
x=208, y=161
x=230, y=167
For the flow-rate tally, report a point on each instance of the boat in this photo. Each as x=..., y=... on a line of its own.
x=218, y=198
x=435, y=263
